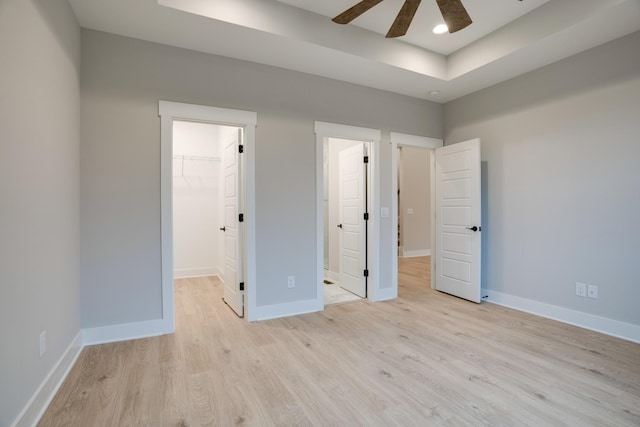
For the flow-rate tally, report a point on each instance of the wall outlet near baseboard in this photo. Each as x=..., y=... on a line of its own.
x=592, y=291
x=581, y=289
x=291, y=282
x=43, y=343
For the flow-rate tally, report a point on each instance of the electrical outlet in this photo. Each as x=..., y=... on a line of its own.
x=43, y=343
x=581, y=289
x=592, y=291
x=291, y=282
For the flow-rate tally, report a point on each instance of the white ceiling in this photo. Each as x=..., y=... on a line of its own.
x=487, y=16
x=507, y=38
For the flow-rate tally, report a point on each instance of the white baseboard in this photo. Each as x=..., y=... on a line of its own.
x=416, y=253
x=183, y=273
x=37, y=405
x=626, y=331
x=126, y=331
x=288, y=309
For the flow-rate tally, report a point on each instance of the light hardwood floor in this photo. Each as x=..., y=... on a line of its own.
x=423, y=359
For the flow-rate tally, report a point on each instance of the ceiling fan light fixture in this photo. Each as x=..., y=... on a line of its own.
x=440, y=29
x=454, y=14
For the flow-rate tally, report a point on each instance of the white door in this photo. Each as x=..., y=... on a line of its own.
x=232, y=229
x=352, y=226
x=457, y=262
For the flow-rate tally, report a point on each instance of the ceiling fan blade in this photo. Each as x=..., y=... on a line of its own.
x=454, y=14
x=404, y=18
x=355, y=11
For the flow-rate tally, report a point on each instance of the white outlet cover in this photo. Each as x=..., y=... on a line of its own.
x=592, y=291
x=384, y=212
x=581, y=289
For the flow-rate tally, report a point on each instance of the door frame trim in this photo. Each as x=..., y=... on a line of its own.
x=169, y=112
x=373, y=136
x=407, y=140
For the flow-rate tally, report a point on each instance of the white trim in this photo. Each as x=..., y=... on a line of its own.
x=204, y=113
x=402, y=140
x=416, y=253
x=185, y=273
x=295, y=308
x=373, y=136
x=125, y=332
x=432, y=180
x=170, y=111
x=39, y=402
x=334, y=130
x=374, y=293
x=406, y=140
x=615, y=328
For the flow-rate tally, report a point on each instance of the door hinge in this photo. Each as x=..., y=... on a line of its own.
x=366, y=273
x=366, y=159
x=366, y=216
x=240, y=149
x=242, y=286
x=241, y=218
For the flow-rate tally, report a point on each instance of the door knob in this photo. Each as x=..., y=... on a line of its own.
x=223, y=228
x=339, y=225
x=474, y=228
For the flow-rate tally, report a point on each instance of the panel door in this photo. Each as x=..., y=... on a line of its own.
x=233, y=296
x=458, y=232
x=352, y=200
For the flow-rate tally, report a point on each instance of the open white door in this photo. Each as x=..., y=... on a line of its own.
x=457, y=254
x=233, y=292
x=352, y=202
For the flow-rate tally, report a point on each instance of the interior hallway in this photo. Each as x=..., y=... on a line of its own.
x=425, y=358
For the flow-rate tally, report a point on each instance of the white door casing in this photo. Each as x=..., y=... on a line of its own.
x=352, y=206
x=232, y=205
x=458, y=232
x=324, y=131
x=170, y=111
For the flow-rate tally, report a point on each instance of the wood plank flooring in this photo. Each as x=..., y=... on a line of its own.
x=421, y=360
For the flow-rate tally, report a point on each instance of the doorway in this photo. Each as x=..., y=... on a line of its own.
x=414, y=213
x=346, y=210
x=426, y=147
x=197, y=199
x=171, y=112
x=364, y=268
x=207, y=194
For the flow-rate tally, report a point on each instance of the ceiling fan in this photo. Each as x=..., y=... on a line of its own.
x=453, y=12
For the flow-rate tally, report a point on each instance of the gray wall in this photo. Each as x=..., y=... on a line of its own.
x=123, y=79
x=561, y=190
x=415, y=194
x=39, y=138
